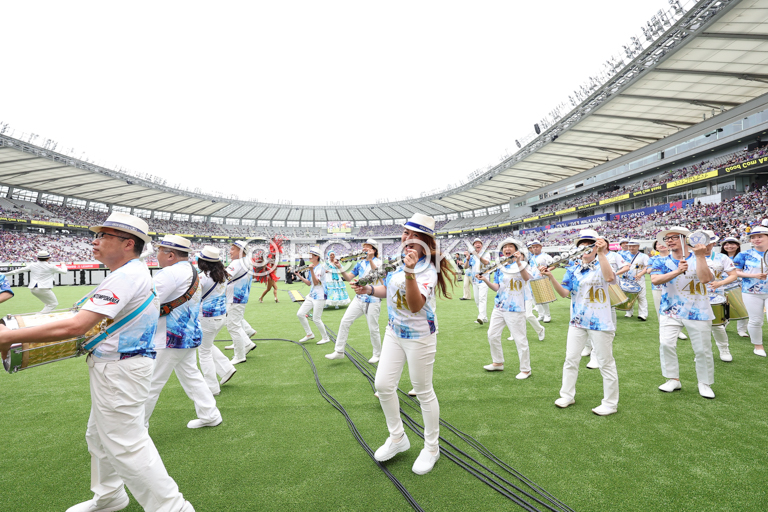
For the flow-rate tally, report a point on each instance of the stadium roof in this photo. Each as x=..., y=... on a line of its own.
x=714, y=57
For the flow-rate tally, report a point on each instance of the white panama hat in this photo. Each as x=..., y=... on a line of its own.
x=713, y=238
x=587, y=234
x=126, y=223
x=316, y=252
x=373, y=243
x=176, y=242
x=43, y=255
x=633, y=242
x=758, y=230
x=673, y=230
x=209, y=253
x=534, y=242
x=421, y=224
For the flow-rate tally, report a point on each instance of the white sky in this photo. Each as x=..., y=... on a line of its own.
x=310, y=101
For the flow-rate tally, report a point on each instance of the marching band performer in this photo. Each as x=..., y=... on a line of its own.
x=5, y=289
x=120, y=370
x=238, y=292
x=41, y=274
x=213, y=282
x=656, y=289
x=731, y=246
x=363, y=305
x=411, y=337
x=591, y=319
x=623, y=250
x=684, y=303
x=315, y=300
x=537, y=259
x=720, y=264
x=509, y=308
x=754, y=285
x=179, y=332
x=638, y=263
x=474, y=262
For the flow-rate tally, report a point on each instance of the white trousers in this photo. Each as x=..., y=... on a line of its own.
x=47, y=297
x=531, y=318
x=316, y=307
x=355, y=310
x=657, y=299
x=184, y=362
x=641, y=302
x=721, y=337
x=515, y=322
x=467, y=288
x=543, y=310
x=756, y=304
x=239, y=329
x=602, y=346
x=742, y=325
x=121, y=450
x=481, y=300
x=213, y=362
x=699, y=334
x=420, y=356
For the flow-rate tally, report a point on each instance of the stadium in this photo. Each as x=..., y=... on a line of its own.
x=673, y=135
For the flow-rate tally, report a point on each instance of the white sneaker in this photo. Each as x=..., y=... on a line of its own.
x=230, y=347
x=743, y=334
x=238, y=361
x=198, y=423
x=389, y=449
x=602, y=410
x=593, y=364
x=374, y=360
x=480, y=321
x=542, y=334
x=425, y=461
x=725, y=355
x=586, y=351
x=670, y=386
x=307, y=338
x=760, y=352
x=682, y=336
x=564, y=402
x=522, y=375
x=412, y=392
x=706, y=391
x=511, y=338
x=323, y=341
x=627, y=315
x=227, y=376
x=250, y=347
x=494, y=367
x=119, y=502
x=335, y=355
x=547, y=319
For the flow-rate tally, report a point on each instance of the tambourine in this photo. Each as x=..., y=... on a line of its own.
x=698, y=237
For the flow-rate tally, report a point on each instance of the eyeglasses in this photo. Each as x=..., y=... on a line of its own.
x=671, y=238
x=102, y=234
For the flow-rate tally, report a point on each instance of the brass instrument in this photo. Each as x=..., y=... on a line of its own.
x=571, y=254
x=503, y=262
x=379, y=273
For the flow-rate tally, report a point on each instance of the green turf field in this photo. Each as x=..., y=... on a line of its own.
x=283, y=447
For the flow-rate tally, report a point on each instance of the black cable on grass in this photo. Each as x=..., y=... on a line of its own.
x=491, y=478
x=356, y=433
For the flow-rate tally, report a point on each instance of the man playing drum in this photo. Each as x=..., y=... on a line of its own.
x=684, y=303
x=536, y=259
x=638, y=265
x=41, y=274
x=120, y=370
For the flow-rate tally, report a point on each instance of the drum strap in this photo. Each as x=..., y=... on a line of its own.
x=91, y=344
x=167, y=307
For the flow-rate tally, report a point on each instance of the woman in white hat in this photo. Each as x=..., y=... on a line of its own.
x=591, y=318
x=684, y=303
x=213, y=283
x=315, y=299
x=477, y=259
x=411, y=337
x=362, y=305
x=509, y=283
x=754, y=285
x=723, y=273
x=41, y=275
x=731, y=247
x=240, y=272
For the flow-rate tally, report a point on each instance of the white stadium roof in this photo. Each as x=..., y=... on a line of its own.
x=714, y=57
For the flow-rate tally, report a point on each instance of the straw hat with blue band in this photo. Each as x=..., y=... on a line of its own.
x=316, y=252
x=421, y=223
x=588, y=235
x=126, y=223
x=534, y=242
x=730, y=239
x=175, y=242
x=209, y=253
x=674, y=230
x=43, y=255
x=759, y=230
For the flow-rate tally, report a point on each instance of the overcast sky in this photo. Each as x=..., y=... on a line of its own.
x=306, y=101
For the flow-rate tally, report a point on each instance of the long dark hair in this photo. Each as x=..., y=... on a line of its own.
x=213, y=269
x=738, y=248
x=445, y=274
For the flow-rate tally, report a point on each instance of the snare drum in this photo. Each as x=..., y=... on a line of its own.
x=22, y=356
x=738, y=311
x=542, y=290
x=719, y=308
x=617, y=295
x=632, y=291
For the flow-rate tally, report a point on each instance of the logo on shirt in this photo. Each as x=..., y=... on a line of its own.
x=105, y=298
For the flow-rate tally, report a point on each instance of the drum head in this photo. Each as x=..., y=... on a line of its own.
x=630, y=287
x=698, y=237
x=716, y=299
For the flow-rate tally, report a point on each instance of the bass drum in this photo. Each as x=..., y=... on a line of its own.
x=542, y=290
x=736, y=301
x=632, y=291
x=719, y=308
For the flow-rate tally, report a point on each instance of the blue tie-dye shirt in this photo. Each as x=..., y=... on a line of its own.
x=749, y=261
x=721, y=266
x=363, y=268
x=4, y=286
x=474, y=267
x=181, y=328
x=215, y=301
x=239, y=286
x=684, y=297
x=590, y=300
x=403, y=323
x=510, y=296
x=318, y=291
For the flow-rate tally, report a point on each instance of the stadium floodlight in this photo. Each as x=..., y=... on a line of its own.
x=518, y=144
x=537, y=129
x=676, y=6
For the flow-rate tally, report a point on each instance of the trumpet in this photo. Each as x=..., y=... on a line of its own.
x=377, y=274
x=501, y=263
x=571, y=254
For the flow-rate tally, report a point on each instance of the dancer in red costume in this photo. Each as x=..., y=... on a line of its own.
x=265, y=270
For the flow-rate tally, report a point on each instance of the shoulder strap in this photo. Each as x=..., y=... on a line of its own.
x=167, y=307
x=112, y=329
x=206, y=294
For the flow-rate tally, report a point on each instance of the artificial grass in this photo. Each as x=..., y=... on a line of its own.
x=283, y=447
